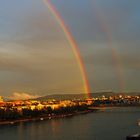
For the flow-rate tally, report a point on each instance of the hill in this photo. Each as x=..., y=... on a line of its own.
x=81, y=96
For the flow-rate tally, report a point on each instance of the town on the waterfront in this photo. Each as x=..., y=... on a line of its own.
x=33, y=110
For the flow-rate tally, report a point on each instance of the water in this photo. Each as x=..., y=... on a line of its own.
x=111, y=124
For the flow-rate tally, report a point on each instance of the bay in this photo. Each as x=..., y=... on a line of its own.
x=108, y=124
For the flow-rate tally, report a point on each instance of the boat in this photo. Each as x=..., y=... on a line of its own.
x=133, y=137
x=41, y=119
x=11, y=122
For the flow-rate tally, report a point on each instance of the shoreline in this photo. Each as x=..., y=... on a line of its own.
x=46, y=117
x=54, y=116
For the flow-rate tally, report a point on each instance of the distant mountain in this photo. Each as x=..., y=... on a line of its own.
x=81, y=96
x=62, y=97
x=73, y=96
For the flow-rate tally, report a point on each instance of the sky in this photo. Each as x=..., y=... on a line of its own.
x=36, y=57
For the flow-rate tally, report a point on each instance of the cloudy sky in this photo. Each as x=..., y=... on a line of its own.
x=36, y=57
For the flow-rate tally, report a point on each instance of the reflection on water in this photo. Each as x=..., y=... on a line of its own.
x=111, y=124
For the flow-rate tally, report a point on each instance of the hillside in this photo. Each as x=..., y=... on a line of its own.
x=81, y=96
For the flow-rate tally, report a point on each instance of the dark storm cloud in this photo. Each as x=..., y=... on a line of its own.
x=36, y=57
x=115, y=21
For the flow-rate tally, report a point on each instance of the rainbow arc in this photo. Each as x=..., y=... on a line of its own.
x=115, y=57
x=72, y=43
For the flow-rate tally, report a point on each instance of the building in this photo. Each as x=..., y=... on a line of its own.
x=1, y=99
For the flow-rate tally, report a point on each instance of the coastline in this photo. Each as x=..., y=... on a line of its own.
x=46, y=117
x=57, y=116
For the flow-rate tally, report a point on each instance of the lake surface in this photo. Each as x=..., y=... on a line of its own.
x=110, y=124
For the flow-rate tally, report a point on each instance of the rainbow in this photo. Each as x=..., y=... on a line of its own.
x=115, y=56
x=72, y=43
